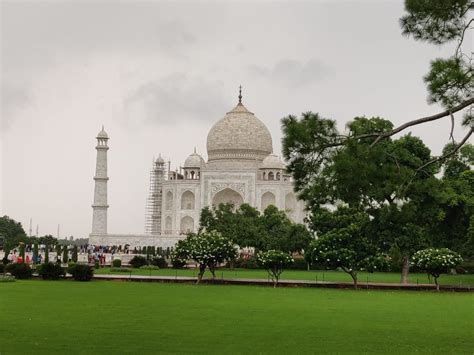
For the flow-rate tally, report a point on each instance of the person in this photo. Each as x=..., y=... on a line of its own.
x=40, y=257
x=27, y=259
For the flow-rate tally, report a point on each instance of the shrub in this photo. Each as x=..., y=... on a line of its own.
x=6, y=278
x=159, y=261
x=96, y=265
x=2, y=268
x=299, y=264
x=50, y=271
x=138, y=261
x=149, y=267
x=274, y=261
x=20, y=271
x=247, y=263
x=116, y=263
x=467, y=267
x=81, y=272
x=436, y=261
x=177, y=263
x=120, y=269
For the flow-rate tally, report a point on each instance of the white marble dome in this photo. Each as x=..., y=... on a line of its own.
x=239, y=135
x=273, y=162
x=193, y=161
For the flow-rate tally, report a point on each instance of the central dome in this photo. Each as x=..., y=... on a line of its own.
x=239, y=135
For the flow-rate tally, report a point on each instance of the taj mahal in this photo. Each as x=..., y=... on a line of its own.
x=240, y=168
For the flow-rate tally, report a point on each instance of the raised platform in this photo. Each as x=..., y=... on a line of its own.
x=136, y=240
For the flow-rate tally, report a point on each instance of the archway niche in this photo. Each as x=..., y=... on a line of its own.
x=228, y=196
x=187, y=200
x=187, y=225
x=268, y=199
x=169, y=200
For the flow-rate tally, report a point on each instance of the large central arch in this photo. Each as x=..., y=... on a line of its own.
x=227, y=196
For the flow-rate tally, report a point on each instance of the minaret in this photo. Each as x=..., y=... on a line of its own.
x=100, y=206
x=155, y=198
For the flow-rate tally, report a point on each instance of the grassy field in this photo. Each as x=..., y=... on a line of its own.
x=465, y=280
x=101, y=317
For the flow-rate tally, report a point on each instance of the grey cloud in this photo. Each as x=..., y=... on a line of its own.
x=293, y=73
x=12, y=98
x=176, y=99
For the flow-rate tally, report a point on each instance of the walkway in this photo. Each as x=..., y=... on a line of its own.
x=282, y=283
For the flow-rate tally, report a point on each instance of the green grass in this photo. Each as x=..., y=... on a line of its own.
x=106, y=317
x=465, y=280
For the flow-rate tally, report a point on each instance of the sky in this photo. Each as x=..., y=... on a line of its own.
x=158, y=75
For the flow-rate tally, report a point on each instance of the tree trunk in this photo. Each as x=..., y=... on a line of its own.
x=354, y=278
x=436, y=282
x=405, y=270
x=201, y=273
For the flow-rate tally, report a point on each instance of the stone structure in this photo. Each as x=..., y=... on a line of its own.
x=241, y=168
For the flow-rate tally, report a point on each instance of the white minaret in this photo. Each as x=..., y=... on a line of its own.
x=100, y=206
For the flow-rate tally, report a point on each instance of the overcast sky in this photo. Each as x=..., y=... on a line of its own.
x=159, y=74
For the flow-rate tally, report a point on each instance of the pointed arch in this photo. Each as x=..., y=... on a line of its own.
x=228, y=196
x=187, y=225
x=187, y=200
x=268, y=198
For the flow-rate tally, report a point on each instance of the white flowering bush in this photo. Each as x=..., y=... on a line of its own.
x=436, y=261
x=346, y=248
x=274, y=261
x=208, y=249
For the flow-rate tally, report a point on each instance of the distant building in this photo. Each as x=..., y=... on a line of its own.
x=241, y=168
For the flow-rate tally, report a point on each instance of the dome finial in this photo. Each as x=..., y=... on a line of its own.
x=240, y=94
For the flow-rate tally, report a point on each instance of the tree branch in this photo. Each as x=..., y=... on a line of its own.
x=418, y=121
x=456, y=148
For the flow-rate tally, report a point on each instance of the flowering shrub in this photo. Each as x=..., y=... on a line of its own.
x=436, y=261
x=6, y=278
x=274, y=261
x=208, y=249
x=346, y=248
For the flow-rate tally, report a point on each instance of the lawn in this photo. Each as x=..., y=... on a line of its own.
x=313, y=275
x=106, y=317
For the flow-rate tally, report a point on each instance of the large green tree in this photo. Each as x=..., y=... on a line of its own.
x=382, y=180
x=247, y=227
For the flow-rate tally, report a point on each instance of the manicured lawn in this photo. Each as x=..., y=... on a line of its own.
x=106, y=317
x=465, y=280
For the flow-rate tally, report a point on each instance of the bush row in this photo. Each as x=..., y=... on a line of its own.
x=50, y=271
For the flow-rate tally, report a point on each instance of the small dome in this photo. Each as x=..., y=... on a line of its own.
x=193, y=161
x=102, y=134
x=273, y=162
x=239, y=136
x=159, y=160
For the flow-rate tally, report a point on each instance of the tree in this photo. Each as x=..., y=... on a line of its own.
x=381, y=180
x=274, y=261
x=22, y=251
x=11, y=232
x=436, y=261
x=347, y=248
x=48, y=239
x=35, y=253
x=74, y=254
x=46, y=253
x=208, y=249
x=65, y=254
x=247, y=227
